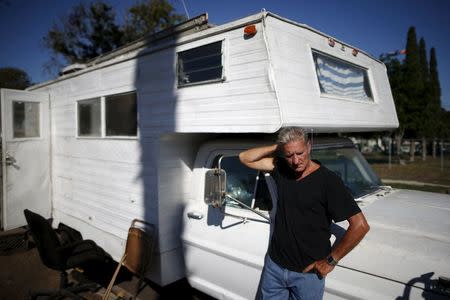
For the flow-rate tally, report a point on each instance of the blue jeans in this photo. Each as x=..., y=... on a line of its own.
x=280, y=283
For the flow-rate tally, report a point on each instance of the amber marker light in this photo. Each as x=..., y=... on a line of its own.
x=355, y=52
x=250, y=30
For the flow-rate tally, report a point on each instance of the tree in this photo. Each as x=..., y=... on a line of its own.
x=413, y=84
x=417, y=94
x=423, y=62
x=413, y=76
x=434, y=79
x=412, y=87
x=424, y=100
x=147, y=17
x=91, y=30
x=87, y=32
x=445, y=128
x=13, y=78
x=437, y=114
x=395, y=74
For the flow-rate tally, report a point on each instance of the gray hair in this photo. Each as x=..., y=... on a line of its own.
x=289, y=134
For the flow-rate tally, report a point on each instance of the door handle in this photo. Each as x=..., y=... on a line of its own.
x=9, y=160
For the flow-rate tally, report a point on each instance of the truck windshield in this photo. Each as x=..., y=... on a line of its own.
x=351, y=167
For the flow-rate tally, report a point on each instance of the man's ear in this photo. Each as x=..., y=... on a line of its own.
x=309, y=147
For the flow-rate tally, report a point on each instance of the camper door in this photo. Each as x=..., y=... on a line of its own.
x=25, y=143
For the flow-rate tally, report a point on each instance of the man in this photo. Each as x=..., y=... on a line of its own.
x=309, y=197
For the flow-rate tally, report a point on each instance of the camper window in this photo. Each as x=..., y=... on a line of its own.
x=200, y=65
x=246, y=185
x=340, y=78
x=89, y=118
x=121, y=115
x=25, y=119
x=109, y=116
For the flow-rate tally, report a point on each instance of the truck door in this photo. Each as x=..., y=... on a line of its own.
x=225, y=247
x=25, y=156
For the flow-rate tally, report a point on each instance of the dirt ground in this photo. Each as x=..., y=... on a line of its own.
x=22, y=271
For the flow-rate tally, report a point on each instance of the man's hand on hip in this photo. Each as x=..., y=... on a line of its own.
x=322, y=267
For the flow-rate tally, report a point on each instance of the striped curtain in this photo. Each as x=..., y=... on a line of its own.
x=339, y=78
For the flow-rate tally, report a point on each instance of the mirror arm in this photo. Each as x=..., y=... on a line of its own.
x=248, y=207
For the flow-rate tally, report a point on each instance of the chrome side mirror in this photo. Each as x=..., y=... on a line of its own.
x=215, y=187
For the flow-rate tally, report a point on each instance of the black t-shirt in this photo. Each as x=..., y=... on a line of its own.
x=305, y=210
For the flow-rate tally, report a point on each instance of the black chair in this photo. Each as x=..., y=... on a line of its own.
x=56, y=256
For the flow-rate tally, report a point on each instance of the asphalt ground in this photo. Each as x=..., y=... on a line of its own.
x=22, y=271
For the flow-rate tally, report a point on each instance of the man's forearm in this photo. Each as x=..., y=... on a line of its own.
x=356, y=231
x=354, y=234
x=256, y=154
x=260, y=158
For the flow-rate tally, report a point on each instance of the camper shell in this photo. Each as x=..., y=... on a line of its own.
x=268, y=80
x=127, y=133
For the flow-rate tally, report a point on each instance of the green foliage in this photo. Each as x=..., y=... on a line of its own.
x=434, y=115
x=423, y=62
x=147, y=17
x=412, y=85
x=87, y=32
x=413, y=76
x=434, y=77
x=426, y=124
x=13, y=78
x=444, y=129
x=395, y=74
x=416, y=90
x=91, y=30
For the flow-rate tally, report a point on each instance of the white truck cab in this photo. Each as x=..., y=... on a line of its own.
x=405, y=255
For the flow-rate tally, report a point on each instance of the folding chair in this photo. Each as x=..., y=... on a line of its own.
x=138, y=253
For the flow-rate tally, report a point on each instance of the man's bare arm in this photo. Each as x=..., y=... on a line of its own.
x=357, y=229
x=260, y=158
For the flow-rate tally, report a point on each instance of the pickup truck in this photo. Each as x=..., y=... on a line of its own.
x=406, y=254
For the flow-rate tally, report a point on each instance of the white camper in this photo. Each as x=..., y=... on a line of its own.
x=134, y=134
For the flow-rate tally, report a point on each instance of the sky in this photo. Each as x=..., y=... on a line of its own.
x=375, y=26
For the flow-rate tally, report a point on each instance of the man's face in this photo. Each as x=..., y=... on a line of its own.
x=296, y=154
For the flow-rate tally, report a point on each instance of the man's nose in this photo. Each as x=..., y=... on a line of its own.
x=295, y=159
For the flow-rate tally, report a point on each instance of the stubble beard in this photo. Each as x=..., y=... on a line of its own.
x=300, y=172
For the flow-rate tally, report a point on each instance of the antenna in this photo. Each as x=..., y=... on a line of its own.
x=185, y=9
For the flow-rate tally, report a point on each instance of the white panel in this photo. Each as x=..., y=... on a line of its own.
x=25, y=156
x=347, y=284
x=123, y=74
x=88, y=82
x=215, y=106
x=299, y=92
x=175, y=164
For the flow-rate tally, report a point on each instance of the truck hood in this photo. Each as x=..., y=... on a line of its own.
x=409, y=238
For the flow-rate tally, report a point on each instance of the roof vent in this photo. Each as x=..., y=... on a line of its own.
x=72, y=68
